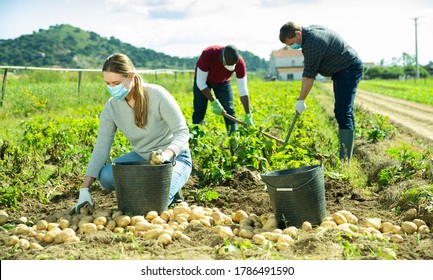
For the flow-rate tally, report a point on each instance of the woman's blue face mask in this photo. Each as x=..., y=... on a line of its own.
x=120, y=91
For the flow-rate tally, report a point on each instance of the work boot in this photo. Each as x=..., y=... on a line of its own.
x=346, y=137
x=178, y=198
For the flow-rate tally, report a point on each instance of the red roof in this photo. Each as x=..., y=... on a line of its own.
x=287, y=52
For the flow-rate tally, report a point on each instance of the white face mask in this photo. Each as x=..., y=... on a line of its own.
x=230, y=67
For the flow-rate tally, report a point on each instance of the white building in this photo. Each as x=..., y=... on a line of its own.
x=286, y=64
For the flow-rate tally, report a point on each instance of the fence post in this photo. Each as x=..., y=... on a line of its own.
x=79, y=81
x=156, y=77
x=3, y=86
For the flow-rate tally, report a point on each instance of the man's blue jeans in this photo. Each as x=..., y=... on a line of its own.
x=224, y=93
x=345, y=85
x=181, y=171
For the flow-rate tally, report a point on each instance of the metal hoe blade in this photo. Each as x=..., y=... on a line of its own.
x=230, y=117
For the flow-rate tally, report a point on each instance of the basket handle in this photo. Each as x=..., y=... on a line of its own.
x=297, y=188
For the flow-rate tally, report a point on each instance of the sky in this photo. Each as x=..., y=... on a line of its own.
x=377, y=29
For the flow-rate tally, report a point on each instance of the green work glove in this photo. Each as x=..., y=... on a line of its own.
x=217, y=108
x=249, y=120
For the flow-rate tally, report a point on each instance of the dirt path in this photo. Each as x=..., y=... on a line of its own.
x=414, y=116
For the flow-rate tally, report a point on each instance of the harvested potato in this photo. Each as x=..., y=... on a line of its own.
x=153, y=233
x=35, y=246
x=387, y=227
x=100, y=221
x=151, y=215
x=71, y=239
x=285, y=238
x=3, y=219
x=423, y=229
x=271, y=236
x=12, y=240
x=158, y=220
x=136, y=219
x=165, y=238
x=165, y=215
x=292, y=231
x=259, y=239
x=88, y=228
x=219, y=218
x=143, y=226
x=225, y=232
x=418, y=222
x=396, y=238
x=111, y=225
x=306, y=226
x=24, y=243
x=197, y=213
x=339, y=218
x=41, y=225
x=245, y=233
x=409, y=227
x=63, y=223
x=373, y=223
x=239, y=215
x=123, y=221
x=328, y=224
x=205, y=222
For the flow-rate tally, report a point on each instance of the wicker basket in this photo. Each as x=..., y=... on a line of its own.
x=142, y=187
x=297, y=195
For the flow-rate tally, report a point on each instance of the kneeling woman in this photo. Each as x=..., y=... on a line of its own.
x=151, y=120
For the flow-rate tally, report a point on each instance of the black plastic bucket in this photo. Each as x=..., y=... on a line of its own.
x=297, y=195
x=142, y=187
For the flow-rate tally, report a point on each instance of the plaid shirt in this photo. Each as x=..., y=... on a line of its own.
x=325, y=52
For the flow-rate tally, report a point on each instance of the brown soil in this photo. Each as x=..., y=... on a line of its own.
x=246, y=191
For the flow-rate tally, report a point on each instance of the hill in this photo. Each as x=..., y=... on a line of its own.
x=71, y=47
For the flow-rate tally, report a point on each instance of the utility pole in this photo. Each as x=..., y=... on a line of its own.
x=416, y=49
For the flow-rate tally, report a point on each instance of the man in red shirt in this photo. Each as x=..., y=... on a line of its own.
x=213, y=70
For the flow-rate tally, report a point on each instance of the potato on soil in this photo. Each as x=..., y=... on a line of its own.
x=151, y=215
x=101, y=220
x=306, y=226
x=292, y=231
x=35, y=246
x=41, y=225
x=373, y=223
x=123, y=221
x=339, y=218
x=409, y=227
x=88, y=228
x=165, y=238
x=423, y=229
x=225, y=232
x=12, y=240
x=239, y=215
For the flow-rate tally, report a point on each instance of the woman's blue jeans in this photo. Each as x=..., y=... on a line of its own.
x=345, y=85
x=181, y=171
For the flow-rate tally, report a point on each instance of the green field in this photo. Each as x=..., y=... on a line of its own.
x=420, y=91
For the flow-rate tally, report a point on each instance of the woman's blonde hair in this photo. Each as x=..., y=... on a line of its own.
x=121, y=64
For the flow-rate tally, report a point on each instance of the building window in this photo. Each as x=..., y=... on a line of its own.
x=290, y=77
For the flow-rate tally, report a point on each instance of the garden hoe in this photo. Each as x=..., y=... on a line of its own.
x=279, y=141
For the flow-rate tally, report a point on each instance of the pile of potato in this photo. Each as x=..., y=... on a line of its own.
x=170, y=225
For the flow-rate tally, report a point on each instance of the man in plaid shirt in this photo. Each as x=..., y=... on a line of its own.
x=326, y=53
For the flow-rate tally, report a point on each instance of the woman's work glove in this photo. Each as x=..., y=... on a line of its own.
x=217, y=108
x=84, y=199
x=158, y=157
x=249, y=120
x=300, y=106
